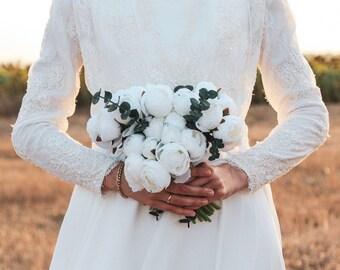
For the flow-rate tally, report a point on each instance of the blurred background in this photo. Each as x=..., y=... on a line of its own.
x=307, y=199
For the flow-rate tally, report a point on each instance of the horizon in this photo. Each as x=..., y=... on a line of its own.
x=22, y=29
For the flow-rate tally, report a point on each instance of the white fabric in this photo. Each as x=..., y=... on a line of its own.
x=123, y=43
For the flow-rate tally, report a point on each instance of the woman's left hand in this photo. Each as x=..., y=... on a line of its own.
x=225, y=180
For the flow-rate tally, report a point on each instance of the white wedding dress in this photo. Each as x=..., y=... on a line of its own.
x=123, y=43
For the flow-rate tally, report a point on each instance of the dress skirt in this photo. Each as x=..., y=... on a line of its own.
x=112, y=233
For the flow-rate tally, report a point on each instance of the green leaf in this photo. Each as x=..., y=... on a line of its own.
x=219, y=143
x=206, y=211
x=203, y=93
x=140, y=127
x=131, y=122
x=113, y=107
x=134, y=114
x=107, y=96
x=190, y=87
x=125, y=115
x=178, y=87
x=212, y=94
x=124, y=107
x=196, y=115
x=189, y=118
x=194, y=102
x=96, y=98
x=191, y=125
x=211, y=158
x=215, y=206
x=204, y=105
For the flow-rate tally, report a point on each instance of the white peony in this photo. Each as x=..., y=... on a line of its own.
x=173, y=157
x=122, y=96
x=155, y=128
x=182, y=101
x=227, y=102
x=211, y=118
x=174, y=119
x=170, y=134
x=154, y=176
x=157, y=100
x=135, y=91
x=195, y=143
x=133, y=144
x=207, y=85
x=183, y=178
x=149, y=147
x=103, y=128
x=132, y=171
x=129, y=131
x=230, y=130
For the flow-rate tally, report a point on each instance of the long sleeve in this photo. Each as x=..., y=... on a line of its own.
x=39, y=134
x=291, y=90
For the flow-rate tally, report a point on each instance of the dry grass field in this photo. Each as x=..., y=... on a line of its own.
x=307, y=200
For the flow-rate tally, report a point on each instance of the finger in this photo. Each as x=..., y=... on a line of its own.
x=173, y=208
x=186, y=201
x=199, y=182
x=184, y=189
x=200, y=172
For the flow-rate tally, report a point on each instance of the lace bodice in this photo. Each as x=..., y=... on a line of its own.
x=124, y=43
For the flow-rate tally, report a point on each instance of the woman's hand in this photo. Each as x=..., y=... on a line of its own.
x=184, y=198
x=225, y=180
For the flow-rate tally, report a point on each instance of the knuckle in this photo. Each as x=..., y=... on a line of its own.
x=183, y=189
x=175, y=200
x=151, y=203
x=167, y=208
x=220, y=193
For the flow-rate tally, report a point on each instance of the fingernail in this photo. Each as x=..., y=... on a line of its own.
x=211, y=192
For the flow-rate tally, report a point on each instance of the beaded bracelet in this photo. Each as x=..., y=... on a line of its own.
x=119, y=180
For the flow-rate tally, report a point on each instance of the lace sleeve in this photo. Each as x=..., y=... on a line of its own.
x=291, y=90
x=39, y=134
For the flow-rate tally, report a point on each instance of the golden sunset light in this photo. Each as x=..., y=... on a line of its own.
x=21, y=29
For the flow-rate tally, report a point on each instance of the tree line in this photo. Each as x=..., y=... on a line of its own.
x=13, y=79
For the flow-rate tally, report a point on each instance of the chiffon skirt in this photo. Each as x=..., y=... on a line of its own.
x=113, y=233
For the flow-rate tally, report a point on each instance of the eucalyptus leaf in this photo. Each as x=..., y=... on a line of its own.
x=204, y=105
x=190, y=87
x=125, y=115
x=189, y=118
x=96, y=98
x=134, y=114
x=124, y=107
x=178, y=87
x=113, y=107
x=107, y=96
x=196, y=115
x=194, y=102
x=212, y=94
x=191, y=125
x=203, y=93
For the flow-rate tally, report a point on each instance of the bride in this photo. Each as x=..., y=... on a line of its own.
x=123, y=43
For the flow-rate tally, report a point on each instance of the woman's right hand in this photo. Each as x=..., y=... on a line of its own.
x=184, y=197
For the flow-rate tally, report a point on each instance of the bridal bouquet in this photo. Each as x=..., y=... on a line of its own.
x=163, y=132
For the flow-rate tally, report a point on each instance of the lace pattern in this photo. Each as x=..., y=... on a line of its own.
x=39, y=132
x=222, y=41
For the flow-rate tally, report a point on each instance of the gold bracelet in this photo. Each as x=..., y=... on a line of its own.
x=119, y=180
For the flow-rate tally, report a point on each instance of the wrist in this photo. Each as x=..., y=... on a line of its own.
x=109, y=182
x=238, y=174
